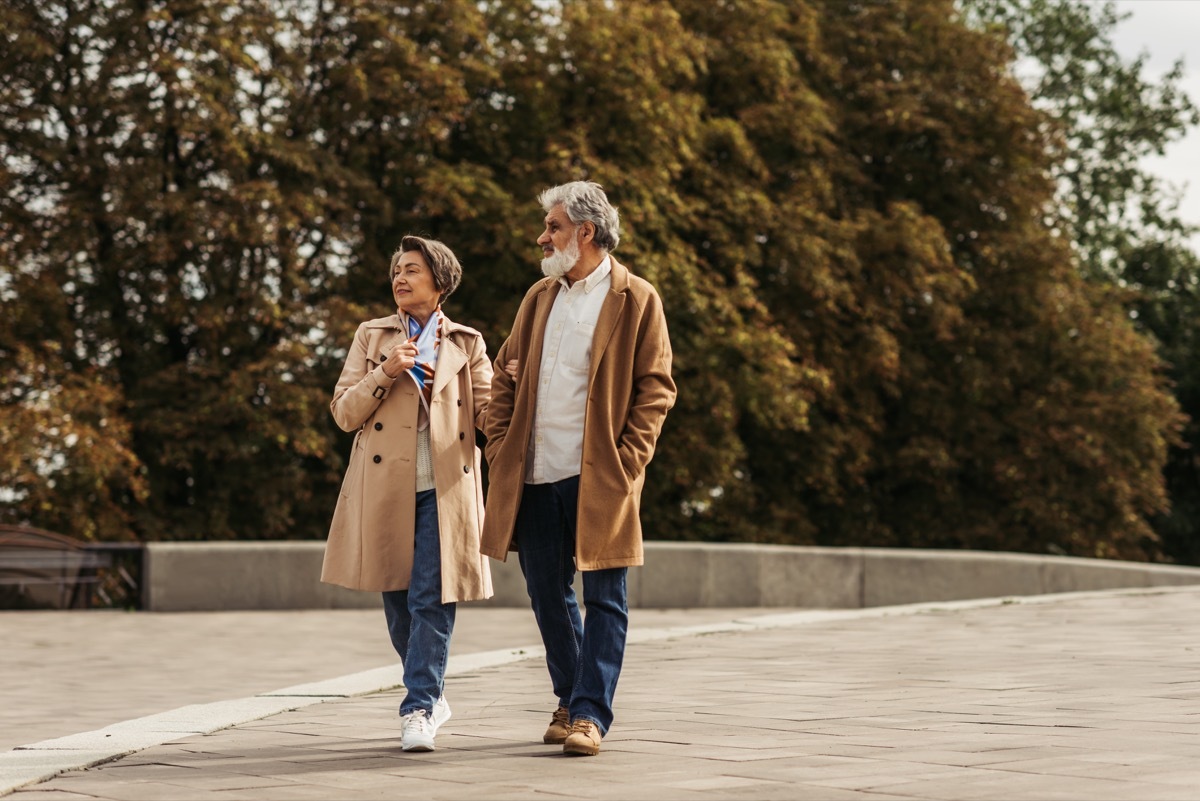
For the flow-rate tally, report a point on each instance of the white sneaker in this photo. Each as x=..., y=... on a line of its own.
x=441, y=713
x=418, y=732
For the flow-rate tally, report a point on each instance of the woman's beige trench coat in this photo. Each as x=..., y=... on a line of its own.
x=370, y=543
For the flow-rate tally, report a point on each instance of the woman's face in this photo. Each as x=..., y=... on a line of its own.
x=413, y=286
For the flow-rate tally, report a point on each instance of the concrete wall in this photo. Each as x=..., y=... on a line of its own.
x=285, y=575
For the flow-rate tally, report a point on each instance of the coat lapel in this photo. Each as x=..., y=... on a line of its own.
x=610, y=312
x=537, y=333
x=451, y=358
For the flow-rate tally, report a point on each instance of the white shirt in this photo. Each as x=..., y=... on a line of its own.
x=556, y=441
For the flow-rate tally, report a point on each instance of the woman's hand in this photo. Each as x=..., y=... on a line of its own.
x=401, y=355
x=511, y=369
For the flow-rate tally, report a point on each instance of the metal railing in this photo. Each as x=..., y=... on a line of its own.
x=43, y=569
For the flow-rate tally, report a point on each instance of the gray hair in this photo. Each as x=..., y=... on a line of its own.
x=447, y=272
x=585, y=201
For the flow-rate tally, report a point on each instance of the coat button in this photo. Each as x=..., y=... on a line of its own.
x=466, y=469
x=462, y=435
x=383, y=357
x=460, y=401
x=378, y=459
x=379, y=426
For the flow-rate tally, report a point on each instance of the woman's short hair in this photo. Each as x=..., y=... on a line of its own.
x=585, y=201
x=447, y=272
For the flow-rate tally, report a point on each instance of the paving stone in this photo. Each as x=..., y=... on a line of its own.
x=1080, y=696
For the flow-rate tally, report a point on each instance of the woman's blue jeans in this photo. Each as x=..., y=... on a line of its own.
x=419, y=623
x=584, y=657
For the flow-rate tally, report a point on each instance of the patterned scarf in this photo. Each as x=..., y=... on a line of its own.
x=427, y=340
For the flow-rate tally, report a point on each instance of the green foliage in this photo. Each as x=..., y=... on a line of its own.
x=1167, y=304
x=1108, y=117
x=878, y=338
x=1123, y=222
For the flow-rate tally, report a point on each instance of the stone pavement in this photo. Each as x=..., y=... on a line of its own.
x=1089, y=695
x=69, y=672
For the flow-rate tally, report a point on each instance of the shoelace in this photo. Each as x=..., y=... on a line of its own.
x=582, y=726
x=417, y=723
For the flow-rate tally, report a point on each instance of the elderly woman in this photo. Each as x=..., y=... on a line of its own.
x=415, y=388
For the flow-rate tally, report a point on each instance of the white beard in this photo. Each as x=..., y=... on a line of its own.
x=560, y=262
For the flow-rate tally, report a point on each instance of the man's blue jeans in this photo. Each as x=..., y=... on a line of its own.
x=419, y=623
x=584, y=658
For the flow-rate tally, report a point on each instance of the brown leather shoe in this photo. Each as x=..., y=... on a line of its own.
x=560, y=727
x=584, y=739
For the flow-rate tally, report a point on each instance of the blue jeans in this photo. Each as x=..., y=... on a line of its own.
x=584, y=658
x=419, y=623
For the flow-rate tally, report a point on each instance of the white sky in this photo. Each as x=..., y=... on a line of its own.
x=1168, y=30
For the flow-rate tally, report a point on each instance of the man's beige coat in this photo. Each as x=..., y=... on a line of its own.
x=371, y=538
x=630, y=391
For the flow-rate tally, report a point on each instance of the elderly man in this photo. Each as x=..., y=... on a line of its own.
x=582, y=387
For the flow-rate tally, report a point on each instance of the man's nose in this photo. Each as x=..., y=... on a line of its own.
x=544, y=238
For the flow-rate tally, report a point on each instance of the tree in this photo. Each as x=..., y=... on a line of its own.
x=1108, y=116
x=160, y=223
x=607, y=92
x=1122, y=221
x=910, y=264
x=1167, y=305
x=878, y=339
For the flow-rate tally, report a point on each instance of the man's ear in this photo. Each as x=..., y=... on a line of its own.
x=587, y=231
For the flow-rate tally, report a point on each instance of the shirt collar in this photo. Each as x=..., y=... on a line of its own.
x=593, y=280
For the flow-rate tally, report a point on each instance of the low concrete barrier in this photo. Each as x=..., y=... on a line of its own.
x=285, y=575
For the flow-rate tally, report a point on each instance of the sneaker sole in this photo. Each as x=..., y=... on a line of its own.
x=417, y=747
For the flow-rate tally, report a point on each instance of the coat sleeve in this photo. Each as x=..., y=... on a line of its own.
x=481, y=381
x=653, y=390
x=359, y=391
x=503, y=398
x=504, y=388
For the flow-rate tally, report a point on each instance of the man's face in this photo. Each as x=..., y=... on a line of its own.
x=559, y=239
